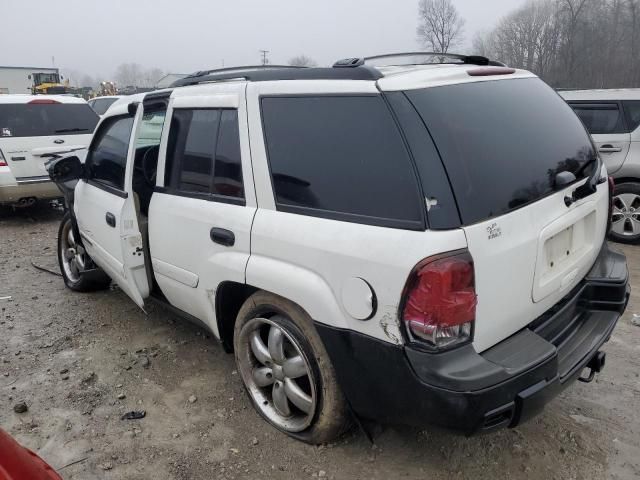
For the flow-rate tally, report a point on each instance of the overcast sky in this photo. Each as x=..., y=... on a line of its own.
x=95, y=36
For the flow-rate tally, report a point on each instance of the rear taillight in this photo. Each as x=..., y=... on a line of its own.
x=3, y=162
x=440, y=300
x=612, y=188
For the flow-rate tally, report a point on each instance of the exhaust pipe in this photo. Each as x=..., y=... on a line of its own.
x=25, y=202
x=595, y=365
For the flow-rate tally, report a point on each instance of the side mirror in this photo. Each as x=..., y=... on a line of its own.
x=65, y=169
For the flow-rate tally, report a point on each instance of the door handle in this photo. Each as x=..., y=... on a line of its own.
x=111, y=219
x=610, y=149
x=223, y=237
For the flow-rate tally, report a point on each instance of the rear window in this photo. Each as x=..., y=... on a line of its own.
x=341, y=158
x=101, y=105
x=632, y=110
x=600, y=118
x=503, y=142
x=44, y=119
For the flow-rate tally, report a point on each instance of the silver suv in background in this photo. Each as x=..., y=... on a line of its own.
x=613, y=119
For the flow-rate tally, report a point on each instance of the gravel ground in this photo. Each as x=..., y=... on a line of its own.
x=79, y=361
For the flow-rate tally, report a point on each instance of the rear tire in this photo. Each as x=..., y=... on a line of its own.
x=625, y=226
x=286, y=370
x=73, y=260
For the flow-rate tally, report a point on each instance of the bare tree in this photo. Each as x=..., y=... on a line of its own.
x=302, y=61
x=134, y=75
x=440, y=25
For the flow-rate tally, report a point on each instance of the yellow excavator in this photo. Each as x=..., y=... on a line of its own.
x=48, y=84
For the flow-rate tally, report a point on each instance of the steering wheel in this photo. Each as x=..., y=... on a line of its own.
x=150, y=165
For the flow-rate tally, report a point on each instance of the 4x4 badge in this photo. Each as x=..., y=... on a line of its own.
x=494, y=231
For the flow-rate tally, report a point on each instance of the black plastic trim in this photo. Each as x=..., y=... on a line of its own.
x=107, y=188
x=202, y=196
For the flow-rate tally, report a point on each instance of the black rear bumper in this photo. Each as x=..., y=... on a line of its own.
x=503, y=386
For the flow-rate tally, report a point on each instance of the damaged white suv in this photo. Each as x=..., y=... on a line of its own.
x=416, y=244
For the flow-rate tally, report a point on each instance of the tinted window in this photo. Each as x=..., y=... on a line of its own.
x=107, y=160
x=46, y=119
x=341, y=157
x=600, y=118
x=192, y=144
x=228, y=167
x=503, y=142
x=101, y=105
x=632, y=111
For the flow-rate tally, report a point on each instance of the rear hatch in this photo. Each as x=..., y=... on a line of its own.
x=503, y=143
x=31, y=132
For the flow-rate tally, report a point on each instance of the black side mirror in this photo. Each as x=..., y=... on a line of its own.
x=65, y=169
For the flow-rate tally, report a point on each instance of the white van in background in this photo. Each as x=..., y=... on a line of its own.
x=32, y=129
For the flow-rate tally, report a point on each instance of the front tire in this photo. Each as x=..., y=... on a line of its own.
x=286, y=370
x=74, y=260
x=625, y=222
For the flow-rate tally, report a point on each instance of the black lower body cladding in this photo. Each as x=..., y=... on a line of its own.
x=502, y=387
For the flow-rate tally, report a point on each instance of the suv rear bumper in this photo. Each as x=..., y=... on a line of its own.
x=14, y=189
x=503, y=386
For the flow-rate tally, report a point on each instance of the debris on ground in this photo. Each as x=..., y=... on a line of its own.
x=20, y=407
x=134, y=415
x=635, y=320
x=8, y=297
x=121, y=396
x=193, y=399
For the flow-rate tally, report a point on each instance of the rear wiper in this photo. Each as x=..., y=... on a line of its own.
x=67, y=130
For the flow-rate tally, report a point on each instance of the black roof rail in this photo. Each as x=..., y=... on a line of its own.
x=461, y=59
x=273, y=72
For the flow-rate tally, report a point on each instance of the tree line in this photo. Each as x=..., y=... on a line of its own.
x=569, y=43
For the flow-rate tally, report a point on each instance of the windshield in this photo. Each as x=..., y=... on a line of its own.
x=503, y=142
x=46, y=119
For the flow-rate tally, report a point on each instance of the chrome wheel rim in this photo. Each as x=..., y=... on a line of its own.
x=72, y=254
x=626, y=215
x=277, y=374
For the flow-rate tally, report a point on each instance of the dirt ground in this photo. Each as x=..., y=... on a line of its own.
x=80, y=361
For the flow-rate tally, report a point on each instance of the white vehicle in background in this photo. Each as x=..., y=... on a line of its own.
x=101, y=104
x=613, y=119
x=33, y=128
x=408, y=242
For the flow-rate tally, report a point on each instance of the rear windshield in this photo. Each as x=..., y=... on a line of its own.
x=46, y=119
x=503, y=142
x=101, y=105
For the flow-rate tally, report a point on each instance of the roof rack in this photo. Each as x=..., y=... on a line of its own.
x=271, y=72
x=418, y=58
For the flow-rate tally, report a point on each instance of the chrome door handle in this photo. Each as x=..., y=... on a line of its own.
x=610, y=149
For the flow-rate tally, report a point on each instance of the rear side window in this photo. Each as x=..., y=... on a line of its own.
x=46, y=119
x=600, y=118
x=503, y=142
x=341, y=158
x=101, y=105
x=632, y=111
x=107, y=159
x=203, y=155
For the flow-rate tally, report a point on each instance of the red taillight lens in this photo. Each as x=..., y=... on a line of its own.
x=3, y=162
x=440, y=301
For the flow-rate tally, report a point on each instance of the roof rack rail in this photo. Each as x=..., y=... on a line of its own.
x=277, y=72
x=461, y=59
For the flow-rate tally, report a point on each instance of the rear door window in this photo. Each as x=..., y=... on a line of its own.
x=632, y=112
x=503, y=142
x=107, y=158
x=203, y=154
x=101, y=105
x=46, y=119
x=601, y=118
x=341, y=158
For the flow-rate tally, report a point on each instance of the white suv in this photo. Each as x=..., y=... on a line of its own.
x=415, y=244
x=34, y=128
x=613, y=119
